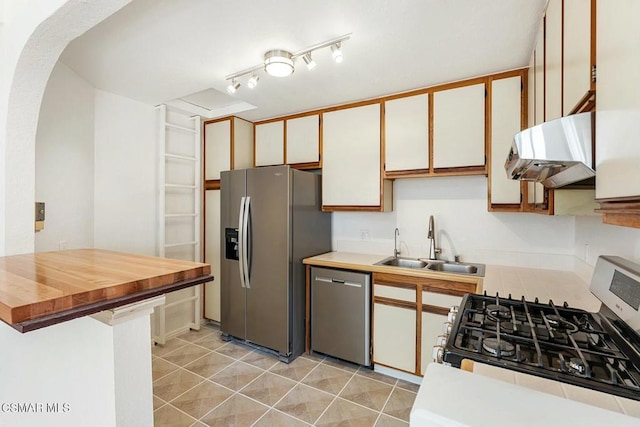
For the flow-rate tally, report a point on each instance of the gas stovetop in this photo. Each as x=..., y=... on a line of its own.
x=556, y=342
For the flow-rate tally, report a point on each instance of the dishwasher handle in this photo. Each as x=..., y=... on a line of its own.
x=338, y=281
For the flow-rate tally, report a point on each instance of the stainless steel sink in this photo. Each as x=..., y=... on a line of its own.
x=453, y=267
x=403, y=262
x=435, y=265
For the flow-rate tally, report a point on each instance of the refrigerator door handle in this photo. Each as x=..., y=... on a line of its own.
x=245, y=242
x=241, y=241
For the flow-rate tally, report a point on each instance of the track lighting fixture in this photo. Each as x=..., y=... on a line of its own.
x=311, y=64
x=336, y=53
x=253, y=81
x=278, y=63
x=233, y=86
x=281, y=63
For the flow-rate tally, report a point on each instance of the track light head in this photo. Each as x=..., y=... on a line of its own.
x=311, y=64
x=253, y=81
x=336, y=53
x=233, y=86
x=278, y=63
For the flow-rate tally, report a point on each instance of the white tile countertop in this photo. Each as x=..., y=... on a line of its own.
x=453, y=397
x=489, y=386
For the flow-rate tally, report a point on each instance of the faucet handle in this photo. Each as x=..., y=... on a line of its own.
x=456, y=258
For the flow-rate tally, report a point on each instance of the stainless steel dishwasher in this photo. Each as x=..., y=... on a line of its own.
x=341, y=314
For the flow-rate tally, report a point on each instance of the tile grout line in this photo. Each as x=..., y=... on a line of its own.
x=299, y=382
x=180, y=410
x=335, y=398
x=234, y=392
x=386, y=402
x=322, y=361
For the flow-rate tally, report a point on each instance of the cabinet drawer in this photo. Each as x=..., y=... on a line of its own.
x=402, y=294
x=440, y=300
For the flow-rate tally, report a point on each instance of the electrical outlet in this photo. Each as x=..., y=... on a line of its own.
x=365, y=235
x=62, y=245
x=586, y=252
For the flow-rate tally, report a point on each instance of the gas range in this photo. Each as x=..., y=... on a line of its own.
x=600, y=351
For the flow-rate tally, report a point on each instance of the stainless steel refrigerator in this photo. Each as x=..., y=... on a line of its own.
x=270, y=220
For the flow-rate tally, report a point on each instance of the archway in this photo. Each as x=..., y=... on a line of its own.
x=43, y=31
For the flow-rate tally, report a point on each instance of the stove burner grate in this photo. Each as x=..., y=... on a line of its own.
x=559, y=343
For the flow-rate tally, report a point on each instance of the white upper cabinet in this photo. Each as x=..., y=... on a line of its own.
x=458, y=127
x=618, y=104
x=407, y=133
x=303, y=139
x=553, y=51
x=577, y=52
x=217, y=148
x=220, y=150
x=270, y=143
x=539, y=76
x=242, y=144
x=351, y=157
x=505, y=123
x=531, y=92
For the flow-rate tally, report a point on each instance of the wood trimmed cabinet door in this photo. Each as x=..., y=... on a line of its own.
x=394, y=327
x=302, y=141
x=579, y=38
x=435, y=307
x=406, y=126
x=506, y=121
x=269, y=143
x=351, y=169
x=459, y=127
x=618, y=116
x=553, y=61
x=228, y=144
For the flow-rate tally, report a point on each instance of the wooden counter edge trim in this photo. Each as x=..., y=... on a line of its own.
x=86, y=310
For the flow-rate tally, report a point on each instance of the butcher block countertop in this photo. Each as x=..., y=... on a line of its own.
x=42, y=289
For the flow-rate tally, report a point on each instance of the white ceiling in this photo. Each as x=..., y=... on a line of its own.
x=156, y=51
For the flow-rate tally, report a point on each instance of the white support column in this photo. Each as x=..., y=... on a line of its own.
x=80, y=372
x=133, y=381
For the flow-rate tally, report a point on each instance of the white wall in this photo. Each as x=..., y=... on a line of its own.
x=459, y=205
x=593, y=238
x=65, y=161
x=32, y=36
x=125, y=175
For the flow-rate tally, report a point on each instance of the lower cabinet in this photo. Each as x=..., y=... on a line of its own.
x=408, y=315
x=435, y=307
x=396, y=328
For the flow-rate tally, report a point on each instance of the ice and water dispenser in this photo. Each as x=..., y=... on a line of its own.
x=231, y=243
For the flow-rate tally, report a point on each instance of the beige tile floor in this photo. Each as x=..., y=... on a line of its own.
x=200, y=380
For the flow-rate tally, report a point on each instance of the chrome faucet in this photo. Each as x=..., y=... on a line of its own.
x=396, y=234
x=431, y=235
